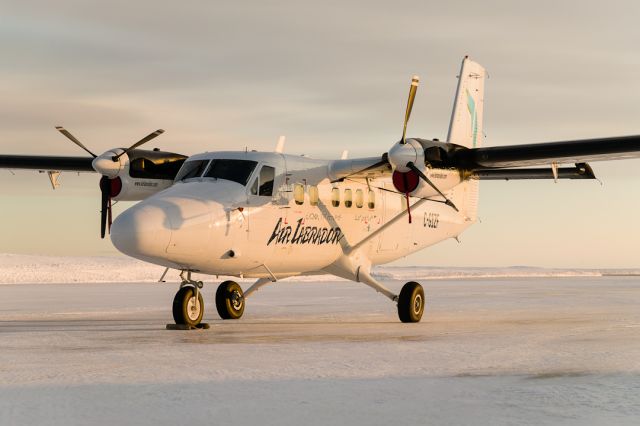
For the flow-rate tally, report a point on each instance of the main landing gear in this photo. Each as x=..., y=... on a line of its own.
x=411, y=302
x=229, y=300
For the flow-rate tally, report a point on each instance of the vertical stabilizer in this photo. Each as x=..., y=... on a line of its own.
x=465, y=127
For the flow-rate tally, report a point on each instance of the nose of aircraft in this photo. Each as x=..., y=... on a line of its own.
x=142, y=231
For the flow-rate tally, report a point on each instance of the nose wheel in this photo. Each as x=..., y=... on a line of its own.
x=188, y=307
x=229, y=300
x=411, y=302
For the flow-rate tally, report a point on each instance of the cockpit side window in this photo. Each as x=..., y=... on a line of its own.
x=263, y=183
x=267, y=175
x=234, y=170
x=191, y=169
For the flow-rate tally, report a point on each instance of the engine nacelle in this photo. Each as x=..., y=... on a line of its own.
x=138, y=174
x=407, y=180
x=443, y=179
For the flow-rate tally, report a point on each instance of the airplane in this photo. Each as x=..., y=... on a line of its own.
x=271, y=215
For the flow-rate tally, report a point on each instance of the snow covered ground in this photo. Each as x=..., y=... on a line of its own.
x=15, y=268
x=498, y=351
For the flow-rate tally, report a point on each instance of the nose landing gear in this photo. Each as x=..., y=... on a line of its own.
x=188, y=305
x=188, y=308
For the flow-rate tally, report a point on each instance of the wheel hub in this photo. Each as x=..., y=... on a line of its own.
x=193, y=308
x=236, y=300
x=417, y=304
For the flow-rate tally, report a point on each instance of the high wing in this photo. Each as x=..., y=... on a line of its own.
x=577, y=151
x=40, y=162
x=504, y=162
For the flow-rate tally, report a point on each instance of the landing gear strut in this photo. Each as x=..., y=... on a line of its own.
x=188, y=305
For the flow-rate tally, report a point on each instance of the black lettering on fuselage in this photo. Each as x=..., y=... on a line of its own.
x=304, y=234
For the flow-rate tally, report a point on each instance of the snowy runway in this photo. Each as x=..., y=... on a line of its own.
x=554, y=350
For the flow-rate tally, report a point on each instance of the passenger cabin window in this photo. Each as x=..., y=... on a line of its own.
x=359, y=198
x=335, y=197
x=298, y=193
x=348, y=198
x=234, y=170
x=371, y=202
x=313, y=195
x=191, y=169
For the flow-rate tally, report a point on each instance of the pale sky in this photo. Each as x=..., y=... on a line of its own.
x=329, y=75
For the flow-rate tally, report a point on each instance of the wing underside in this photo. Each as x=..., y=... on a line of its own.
x=579, y=151
x=47, y=163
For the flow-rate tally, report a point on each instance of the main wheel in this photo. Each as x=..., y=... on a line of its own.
x=411, y=302
x=186, y=309
x=229, y=300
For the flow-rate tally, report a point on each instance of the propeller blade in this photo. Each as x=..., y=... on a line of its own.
x=426, y=179
x=402, y=194
x=74, y=140
x=110, y=220
x=144, y=140
x=105, y=189
x=412, y=95
x=382, y=162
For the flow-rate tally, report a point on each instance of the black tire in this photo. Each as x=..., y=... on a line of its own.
x=183, y=308
x=411, y=302
x=229, y=300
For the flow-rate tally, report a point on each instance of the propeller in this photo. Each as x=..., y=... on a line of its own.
x=415, y=81
x=403, y=157
x=110, y=182
x=74, y=140
x=144, y=140
x=426, y=179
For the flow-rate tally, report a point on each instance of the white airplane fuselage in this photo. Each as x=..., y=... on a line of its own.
x=221, y=227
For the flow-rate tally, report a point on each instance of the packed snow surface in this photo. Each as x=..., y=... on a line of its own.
x=488, y=351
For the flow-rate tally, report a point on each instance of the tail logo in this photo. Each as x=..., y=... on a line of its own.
x=471, y=106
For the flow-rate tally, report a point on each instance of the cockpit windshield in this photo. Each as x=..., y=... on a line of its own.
x=191, y=169
x=234, y=170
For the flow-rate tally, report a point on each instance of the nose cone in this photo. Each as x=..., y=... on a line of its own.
x=142, y=231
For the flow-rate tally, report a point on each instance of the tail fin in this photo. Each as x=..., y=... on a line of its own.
x=466, y=120
x=466, y=129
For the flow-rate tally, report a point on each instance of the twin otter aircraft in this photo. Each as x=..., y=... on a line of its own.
x=270, y=216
